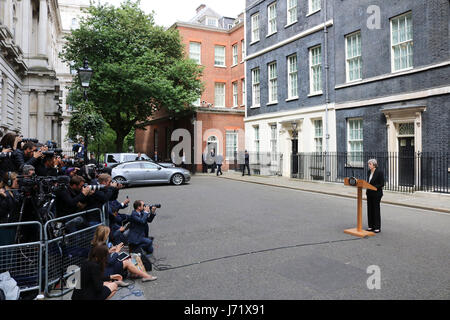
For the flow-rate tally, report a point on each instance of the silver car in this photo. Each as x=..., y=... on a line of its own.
x=148, y=172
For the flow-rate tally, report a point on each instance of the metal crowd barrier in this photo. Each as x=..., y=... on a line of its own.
x=23, y=261
x=67, y=249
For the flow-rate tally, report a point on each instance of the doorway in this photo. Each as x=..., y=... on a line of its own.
x=406, y=161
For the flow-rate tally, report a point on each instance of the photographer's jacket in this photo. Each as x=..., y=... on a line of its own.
x=139, y=225
x=66, y=202
x=21, y=160
x=9, y=207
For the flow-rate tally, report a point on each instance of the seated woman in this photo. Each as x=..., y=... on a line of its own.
x=113, y=265
x=94, y=285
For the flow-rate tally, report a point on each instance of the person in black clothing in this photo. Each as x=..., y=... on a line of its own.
x=109, y=192
x=95, y=286
x=376, y=178
x=92, y=159
x=9, y=207
x=246, y=163
x=29, y=155
x=9, y=144
x=139, y=157
x=46, y=167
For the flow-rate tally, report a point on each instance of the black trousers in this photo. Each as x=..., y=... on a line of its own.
x=245, y=166
x=219, y=169
x=373, y=211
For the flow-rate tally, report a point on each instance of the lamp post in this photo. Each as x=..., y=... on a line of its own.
x=85, y=76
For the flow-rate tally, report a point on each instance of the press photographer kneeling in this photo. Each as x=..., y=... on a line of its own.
x=139, y=220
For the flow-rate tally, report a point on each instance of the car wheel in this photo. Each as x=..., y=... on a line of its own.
x=120, y=179
x=177, y=179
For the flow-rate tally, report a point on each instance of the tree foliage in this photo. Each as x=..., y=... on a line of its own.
x=139, y=67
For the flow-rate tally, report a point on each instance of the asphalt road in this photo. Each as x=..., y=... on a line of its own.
x=221, y=239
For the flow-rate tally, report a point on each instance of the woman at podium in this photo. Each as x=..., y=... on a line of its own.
x=376, y=178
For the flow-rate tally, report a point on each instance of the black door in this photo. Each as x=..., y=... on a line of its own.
x=295, y=158
x=406, y=161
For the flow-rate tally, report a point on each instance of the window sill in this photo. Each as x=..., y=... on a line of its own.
x=271, y=34
x=314, y=94
x=402, y=70
x=353, y=81
x=356, y=165
x=291, y=99
x=255, y=107
x=311, y=13
x=290, y=24
x=220, y=66
x=256, y=41
x=242, y=61
x=234, y=65
x=272, y=103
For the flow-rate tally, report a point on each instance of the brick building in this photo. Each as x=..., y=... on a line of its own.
x=217, y=43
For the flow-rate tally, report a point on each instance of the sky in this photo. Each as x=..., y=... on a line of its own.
x=167, y=12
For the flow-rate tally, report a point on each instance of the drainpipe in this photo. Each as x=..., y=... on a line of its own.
x=327, y=95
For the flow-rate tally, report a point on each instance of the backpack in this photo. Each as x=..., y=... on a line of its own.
x=9, y=287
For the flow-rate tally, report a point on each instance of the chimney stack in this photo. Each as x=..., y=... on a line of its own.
x=200, y=8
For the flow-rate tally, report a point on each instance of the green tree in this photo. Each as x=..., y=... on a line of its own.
x=139, y=67
x=86, y=122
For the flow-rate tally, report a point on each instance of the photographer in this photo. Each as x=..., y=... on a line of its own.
x=9, y=206
x=29, y=155
x=139, y=220
x=105, y=191
x=119, y=233
x=46, y=167
x=8, y=145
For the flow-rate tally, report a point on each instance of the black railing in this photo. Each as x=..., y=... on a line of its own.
x=261, y=163
x=404, y=172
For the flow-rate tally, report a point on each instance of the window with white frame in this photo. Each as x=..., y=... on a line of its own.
x=353, y=57
x=318, y=135
x=235, y=94
x=255, y=88
x=255, y=27
x=273, y=142
x=291, y=11
x=219, y=56
x=231, y=145
x=256, y=132
x=244, y=97
x=272, y=18
x=273, y=83
x=219, y=94
x=235, y=54
x=210, y=21
x=195, y=51
x=197, y=102
x=355, y=142
x=243, y=49
x=315, y=62
x=292, y=77
x=314, y=5
x=402, y=42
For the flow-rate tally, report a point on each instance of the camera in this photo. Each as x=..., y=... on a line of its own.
x=72, y=162
x=94, y=187
x=25, y=140
x=153, y=205
x=352, y=181
x=5, y=155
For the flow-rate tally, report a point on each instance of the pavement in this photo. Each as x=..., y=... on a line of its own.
x=439, y=202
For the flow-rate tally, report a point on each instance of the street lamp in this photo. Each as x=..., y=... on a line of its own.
x=85, y=75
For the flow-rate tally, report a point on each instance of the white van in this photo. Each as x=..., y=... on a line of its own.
x=115, y=158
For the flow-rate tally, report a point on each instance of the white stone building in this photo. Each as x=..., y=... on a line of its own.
x=32, y=77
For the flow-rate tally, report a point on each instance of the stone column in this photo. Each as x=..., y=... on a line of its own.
x=26, y=27
x=7, y=14
x=42, y=29
x=40, y=118
x=25, y=113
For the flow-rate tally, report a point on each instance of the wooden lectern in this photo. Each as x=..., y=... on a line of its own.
x=360, y=184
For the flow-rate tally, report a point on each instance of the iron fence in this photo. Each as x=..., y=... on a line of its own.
x=23, y=261
x=67, y=249
x=404, y=172
x=261, y=163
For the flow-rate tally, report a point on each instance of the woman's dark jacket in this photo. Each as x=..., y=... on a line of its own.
x=377, y=181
